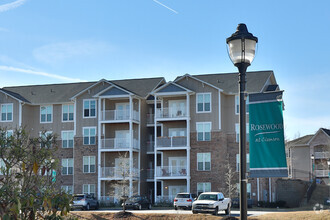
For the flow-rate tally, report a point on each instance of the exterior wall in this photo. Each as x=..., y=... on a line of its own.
x=300, y=162
x=228, y=116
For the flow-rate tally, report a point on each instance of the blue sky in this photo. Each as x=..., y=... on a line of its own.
x=77, y=40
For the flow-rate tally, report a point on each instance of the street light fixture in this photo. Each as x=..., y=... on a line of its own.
x=241, y=48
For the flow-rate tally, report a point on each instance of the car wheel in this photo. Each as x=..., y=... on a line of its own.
x=227, y=211
x=149, y=206
x=140, y=207
x=175, y=207
x=216, y=210
x=194, y=212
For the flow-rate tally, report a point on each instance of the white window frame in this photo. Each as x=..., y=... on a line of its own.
x=68, y=113
x=203, y=124
x=89, y=164
x=203, y=186
x=248, y=190
x=5, y=106
x=45, y=134
x=204, y=161
x=2, y=166
x=89, y=137
x=237, y=130
x=237, y=105
x=247, y=162
x=67, y=189
x=89, y=100
x=68, y=140
x=88, y=189
x=203, y=94
x=67, y=166
x=51, y=113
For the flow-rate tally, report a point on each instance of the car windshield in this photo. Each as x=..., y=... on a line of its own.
x=134, y=199
x=182, y=195
x=77, y=198
x=208, y=197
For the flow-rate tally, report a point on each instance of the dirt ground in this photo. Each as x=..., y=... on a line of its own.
x=304, y=215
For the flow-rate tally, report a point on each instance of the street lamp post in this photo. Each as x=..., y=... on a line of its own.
x=242, y=46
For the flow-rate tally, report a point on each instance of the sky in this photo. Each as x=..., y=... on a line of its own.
x=60, y=41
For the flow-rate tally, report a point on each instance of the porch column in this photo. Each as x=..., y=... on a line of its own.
x=188, y=141
x=155, y=149
x=131, y=147
x=99, y=151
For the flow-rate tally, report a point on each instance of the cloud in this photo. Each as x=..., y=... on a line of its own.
x=32, y=72
x=61, y=52
x=12, y=5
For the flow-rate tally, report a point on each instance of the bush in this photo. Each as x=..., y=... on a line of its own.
x=279, y=204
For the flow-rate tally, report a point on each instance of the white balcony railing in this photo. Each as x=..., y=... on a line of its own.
x=322, y=155
x=118, y=173
x=322, y=173
x=168, y=199
x=117, y=115
x=119, y=143
x=171, y=112
x=171, y=171
x=179, y=141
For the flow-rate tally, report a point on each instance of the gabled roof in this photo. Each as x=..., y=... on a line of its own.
x=301, y=141
x=14, y=95
x=228, y=82
x=327, y=131
x=171, y=87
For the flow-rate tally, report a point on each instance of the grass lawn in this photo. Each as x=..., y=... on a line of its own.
x=310, y=215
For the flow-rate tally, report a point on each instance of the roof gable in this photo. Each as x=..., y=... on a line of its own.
x=114, y=91
x=171, y=87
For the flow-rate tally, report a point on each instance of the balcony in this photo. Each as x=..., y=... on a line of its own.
x=322, y=155
x=322, y=173
x=118, y=172
x=171, y=171
x=168, y=199
x=171, y=112
x=118, y=143
x=178, y=141
x=119, y=115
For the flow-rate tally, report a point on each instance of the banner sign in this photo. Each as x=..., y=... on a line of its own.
x=267, y=148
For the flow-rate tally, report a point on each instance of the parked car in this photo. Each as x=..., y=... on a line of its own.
x=235, y=203
x=211, y=202
x=137, y=202
x=183, y=200
x=84, y=201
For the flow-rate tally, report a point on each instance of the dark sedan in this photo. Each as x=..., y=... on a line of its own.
x=137, y=202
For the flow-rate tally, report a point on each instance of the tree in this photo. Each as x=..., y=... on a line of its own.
x=27, y=186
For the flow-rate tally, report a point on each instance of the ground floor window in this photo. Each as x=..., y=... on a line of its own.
x=67, y=189
x=89, y=189
x=203, y=187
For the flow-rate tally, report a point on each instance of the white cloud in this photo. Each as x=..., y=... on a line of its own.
x=12, y=5
x=39, y=73
x=61, y=52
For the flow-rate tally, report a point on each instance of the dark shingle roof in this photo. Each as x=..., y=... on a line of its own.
x=17, y=96
x=301, y=141
x=59, y=93
x=327, y=131
x=228, y=82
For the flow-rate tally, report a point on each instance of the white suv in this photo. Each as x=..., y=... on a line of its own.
x=183, y=200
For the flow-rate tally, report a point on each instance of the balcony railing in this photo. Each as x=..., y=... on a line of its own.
x=171, y=112
x=322, y=155
x=118, y=143
x=117, y=115
x=108, y=199
x=179, y=141
x=171, y=171
x=168, y=199
x=118, y=173
x=322, y=173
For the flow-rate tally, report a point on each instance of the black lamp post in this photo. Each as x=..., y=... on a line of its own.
x=242, y=46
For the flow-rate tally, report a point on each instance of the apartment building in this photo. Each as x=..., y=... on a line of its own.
x=309, y=157
x=160, y=137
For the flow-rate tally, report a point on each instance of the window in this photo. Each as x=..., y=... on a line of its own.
x=45, y=140
x=7, y=112
x=46, y=113
x=247, y=132
x=67, y=166
x=203, y=187
x=89, y=189
x=237, y=104
x=89, y=135
x=67, y=139
x=67, y=189
x=248, y=189
x=89, y=164
x=203, y=131
x=89, y=108
x=9, y=133
x=2, y=167
x=67, y=112
x=247, y=162
x=203, y=161
x=203, y=102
